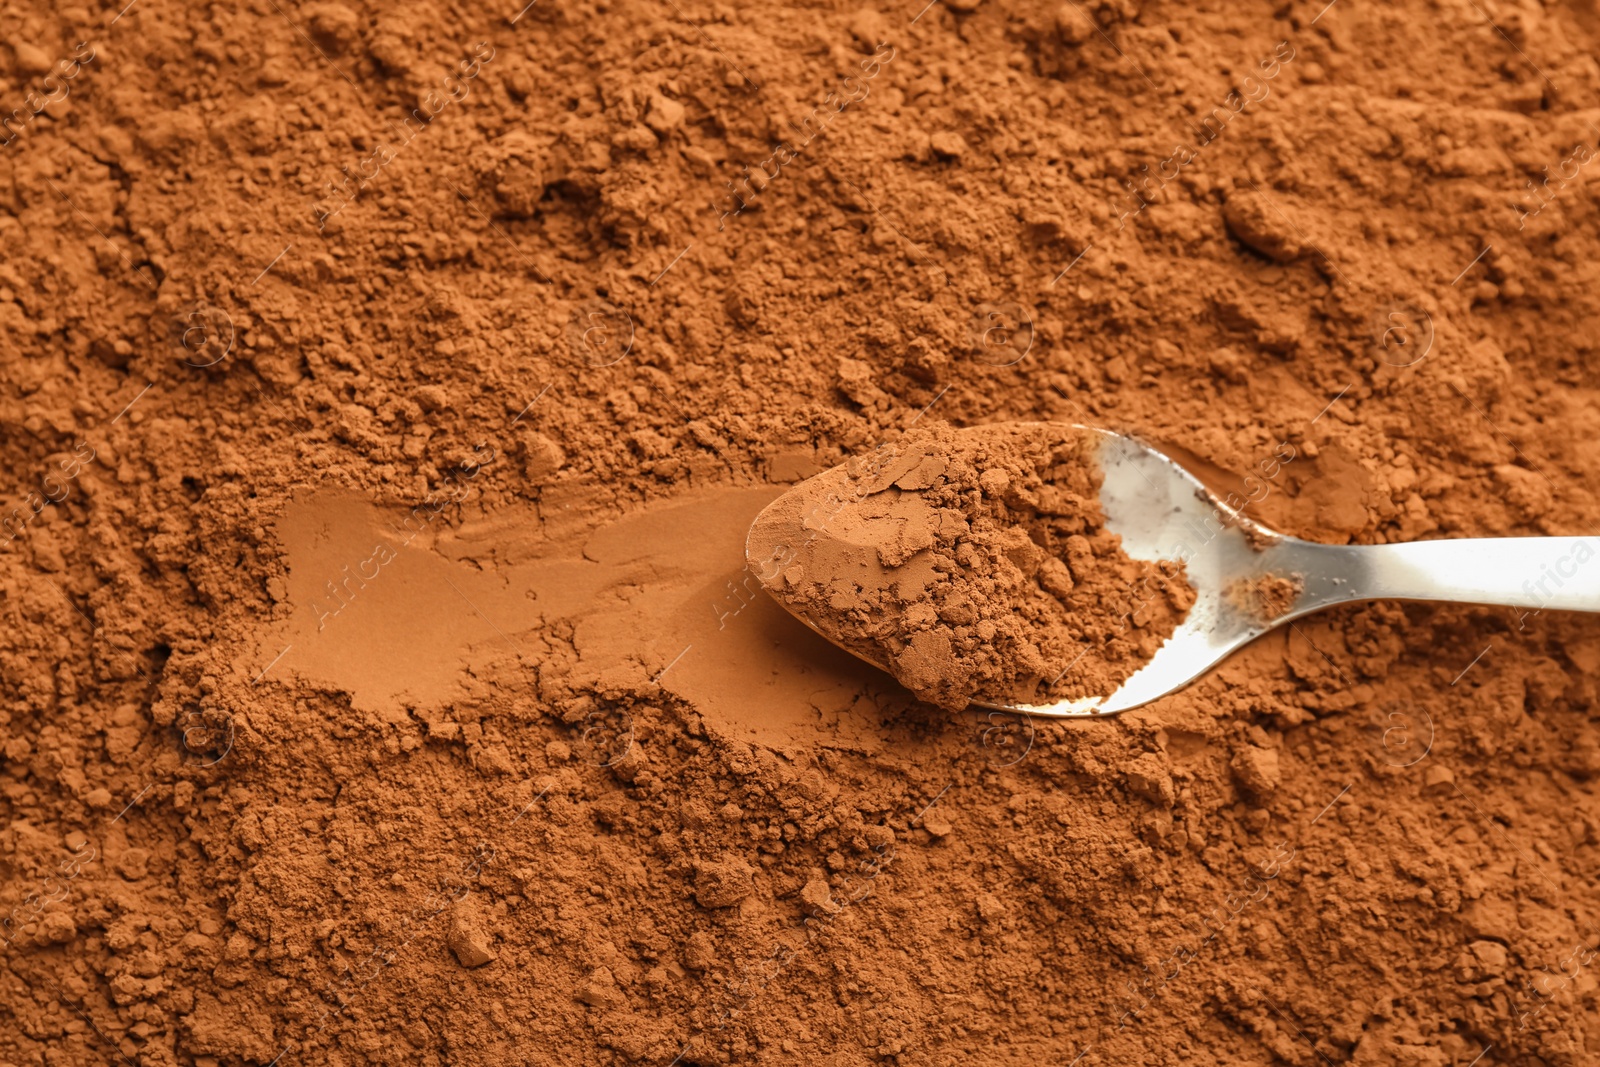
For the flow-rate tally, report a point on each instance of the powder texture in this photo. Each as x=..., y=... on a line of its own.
x=975, y=564
x=1266, y=598
x=556, y=350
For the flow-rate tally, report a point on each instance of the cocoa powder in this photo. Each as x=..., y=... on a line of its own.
x=559, y=783
x=974, y=565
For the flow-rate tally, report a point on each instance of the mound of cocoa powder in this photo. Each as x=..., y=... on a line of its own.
x=974, y=565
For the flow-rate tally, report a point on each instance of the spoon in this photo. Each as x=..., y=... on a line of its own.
x=1248, y=579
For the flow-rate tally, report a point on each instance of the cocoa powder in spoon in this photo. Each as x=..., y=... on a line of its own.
x=974, y=565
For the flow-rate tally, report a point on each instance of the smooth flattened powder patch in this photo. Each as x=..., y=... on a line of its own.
x=975, y=565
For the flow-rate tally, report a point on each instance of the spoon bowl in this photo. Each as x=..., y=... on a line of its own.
x=1247, y=578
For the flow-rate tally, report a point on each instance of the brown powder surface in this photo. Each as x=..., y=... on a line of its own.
x=1269, y=597
x=973, y=564
x=523, y=313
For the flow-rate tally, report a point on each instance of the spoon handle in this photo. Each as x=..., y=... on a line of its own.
x=1536, y=573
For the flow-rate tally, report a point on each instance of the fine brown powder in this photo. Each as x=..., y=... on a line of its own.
x=974, y=565
x=1266, y=598
x=386, y=391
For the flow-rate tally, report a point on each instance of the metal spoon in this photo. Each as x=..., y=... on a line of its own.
x=1162, y=512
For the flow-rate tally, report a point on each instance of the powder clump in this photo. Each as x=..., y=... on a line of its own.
x=1268, y=597
x=466, y=937
x=975, y=565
